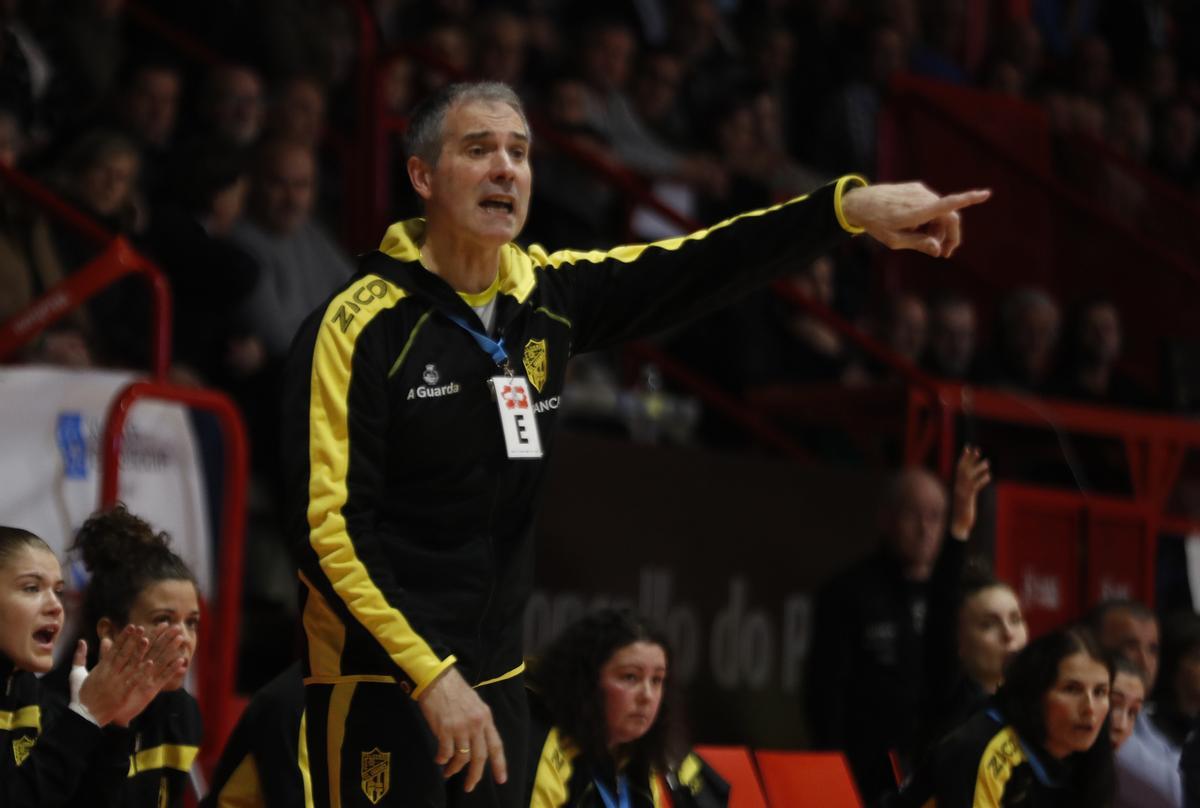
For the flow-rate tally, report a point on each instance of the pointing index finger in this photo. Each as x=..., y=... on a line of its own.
x=952, y=202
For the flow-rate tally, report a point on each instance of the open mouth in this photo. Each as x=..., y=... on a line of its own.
x=45, y=636
x=497, y=205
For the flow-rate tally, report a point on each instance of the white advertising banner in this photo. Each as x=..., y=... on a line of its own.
x=51, y=423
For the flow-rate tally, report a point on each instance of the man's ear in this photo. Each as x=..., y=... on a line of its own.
x=420, y=174
x=106, y=629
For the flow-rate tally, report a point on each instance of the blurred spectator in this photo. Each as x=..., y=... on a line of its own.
x=16, y=85
x=849, y=125
x=939, y=55
x=952, y=337
x=1029, y=324
x=656, y=99
x=500, y=44
x=30, y=264
x=398, y=85
x=975, y=624
x=233, y=107
x=907, y=326
x=100, y=175
x=573, y=205
x=867, y=661
x=87, y=49
x=147, y=110
x=210, y=277
x=1127, y=699
x=607, y=56
x=1092, y=68
x=1091, y=352
x=1176, y=149
x=149, y=104
x=1129, y=131
x=1063, y=24
x=450, y=48
x=1147, y=768
x=1021, y=47
x=299, y=264
x=297, y=111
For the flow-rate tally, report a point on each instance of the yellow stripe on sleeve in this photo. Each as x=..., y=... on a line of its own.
x=167, y=756
x=25, y=718
x=329, y=460
x=629, y=253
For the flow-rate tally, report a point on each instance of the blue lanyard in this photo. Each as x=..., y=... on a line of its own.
x=491, y=347
x=622, y=800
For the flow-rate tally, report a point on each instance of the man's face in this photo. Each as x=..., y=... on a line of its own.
x=919, y=523
x=1134, y=638
x=953, y=338
x=1100, y=334
x=152, y=105
x=481, y=183
x=287, y=188
x=239, y=111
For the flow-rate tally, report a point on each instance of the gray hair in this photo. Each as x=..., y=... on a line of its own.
x=425, y=128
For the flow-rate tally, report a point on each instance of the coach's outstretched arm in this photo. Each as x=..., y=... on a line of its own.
x=909, y=216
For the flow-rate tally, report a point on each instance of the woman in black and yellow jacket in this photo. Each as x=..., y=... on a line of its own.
x=602, y=729
x=1042, y=743
x=53, y=752
x=137, y=580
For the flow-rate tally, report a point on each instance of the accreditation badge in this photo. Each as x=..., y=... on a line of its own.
x=515, y=405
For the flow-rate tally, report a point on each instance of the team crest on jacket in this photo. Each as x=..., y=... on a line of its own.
x=430, y=375
x=535, y=362
x=376, y=774
x=21, y=747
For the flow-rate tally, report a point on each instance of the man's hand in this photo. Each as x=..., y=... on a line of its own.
x=463, y=726
x=970, y=477
x=910, y=216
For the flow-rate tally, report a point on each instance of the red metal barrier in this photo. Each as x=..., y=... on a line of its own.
x=116, y=261
x=219, y=641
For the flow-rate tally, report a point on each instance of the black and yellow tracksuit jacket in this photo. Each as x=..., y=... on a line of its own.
x=559, y=777
x=986, y=764
x=411, y=524
x=166, y=741
x=265, y=761
x=49, y=755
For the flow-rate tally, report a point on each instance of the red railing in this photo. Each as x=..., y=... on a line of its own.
x=219, y=639
x=116, y=261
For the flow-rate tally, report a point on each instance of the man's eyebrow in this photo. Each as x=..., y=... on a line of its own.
x=486, y=133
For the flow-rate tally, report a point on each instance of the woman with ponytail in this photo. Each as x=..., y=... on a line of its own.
x=136, y=580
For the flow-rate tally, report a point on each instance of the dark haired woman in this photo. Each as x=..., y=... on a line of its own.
x=53, y=754
x=601, y=735
x=1043, y=742
x=136, y=580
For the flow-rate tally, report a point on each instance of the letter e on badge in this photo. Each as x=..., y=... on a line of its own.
x=517, y=418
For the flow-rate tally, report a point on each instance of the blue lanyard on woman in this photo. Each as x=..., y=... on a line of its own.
x=622, y=800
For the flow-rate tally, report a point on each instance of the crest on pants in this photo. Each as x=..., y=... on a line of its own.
x=535, y=362
x=376, y=774
x=21, y=747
